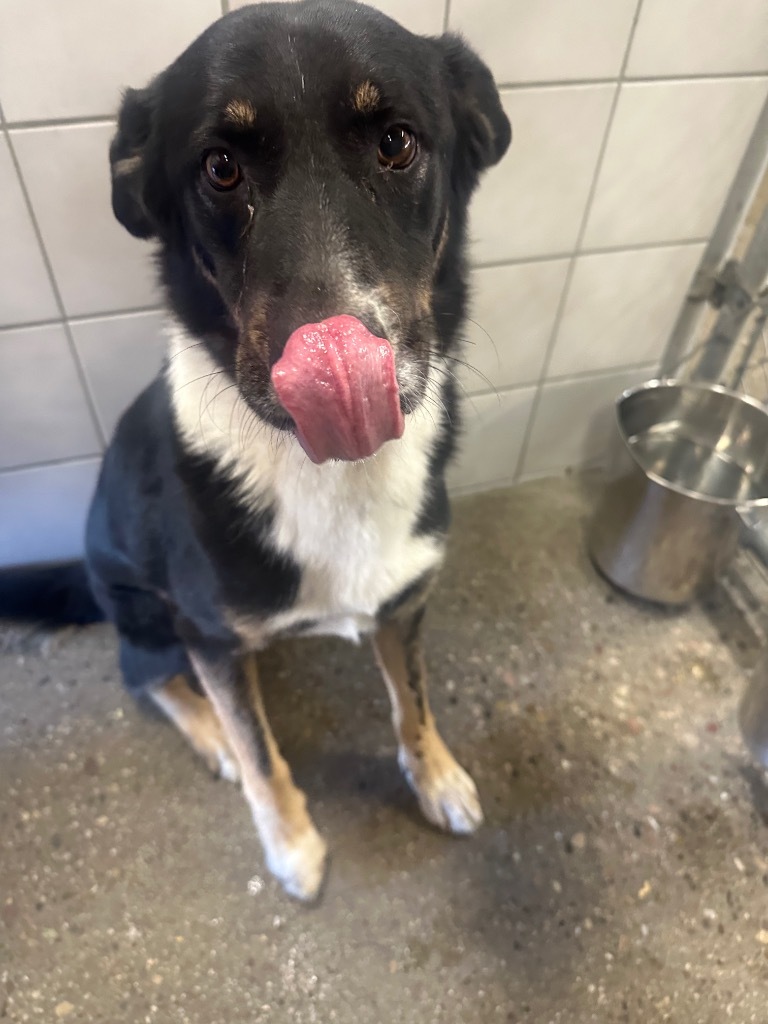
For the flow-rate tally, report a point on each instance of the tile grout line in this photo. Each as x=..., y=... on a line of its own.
x=517, y=261
x=576, y=250
x=65, y=460
x=111, y=314
x=565, y=83
x=447, y=15
x=61, y=122
x=81, y=318
x=555, y=83
x=563, y=378
x=79, y=369
x=598, y=250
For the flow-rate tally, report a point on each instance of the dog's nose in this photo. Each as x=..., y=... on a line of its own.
x=292, y=308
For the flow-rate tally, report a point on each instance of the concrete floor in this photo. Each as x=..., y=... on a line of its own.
x=622, y=875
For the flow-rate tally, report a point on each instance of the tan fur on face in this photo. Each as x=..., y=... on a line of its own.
x=411, y=299
x=204, y=270
x=127, y=165
x=442, y=243
x=252, y=356
x=240, y=114
x=366, y=98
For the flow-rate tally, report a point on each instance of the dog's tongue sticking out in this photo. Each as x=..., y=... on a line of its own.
x=338, y=383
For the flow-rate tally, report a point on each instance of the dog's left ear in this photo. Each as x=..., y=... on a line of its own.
x=483, y=129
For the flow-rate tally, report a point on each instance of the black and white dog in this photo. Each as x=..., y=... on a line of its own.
x=306, y=170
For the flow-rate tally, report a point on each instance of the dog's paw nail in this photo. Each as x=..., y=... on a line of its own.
x=300, y=865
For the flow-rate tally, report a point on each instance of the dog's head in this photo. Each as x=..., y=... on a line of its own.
x=303, y=161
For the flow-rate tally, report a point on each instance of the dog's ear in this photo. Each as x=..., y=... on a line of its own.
x=482, y=128
x=128, y=157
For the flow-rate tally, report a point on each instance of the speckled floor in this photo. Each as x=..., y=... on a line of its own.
x=622, y=875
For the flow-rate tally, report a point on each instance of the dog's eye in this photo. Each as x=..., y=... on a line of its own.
x=397, y=148
x=222, y=170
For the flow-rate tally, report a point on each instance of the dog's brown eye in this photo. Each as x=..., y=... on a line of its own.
x=222, y=170
x=397, y=148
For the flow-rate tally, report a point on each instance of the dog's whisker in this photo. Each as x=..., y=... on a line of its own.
x=187, y=383
x=457, y=381
x=201, y=411
x=218, y=394
x=180, y=352
x=466, y=341
x=473, y=369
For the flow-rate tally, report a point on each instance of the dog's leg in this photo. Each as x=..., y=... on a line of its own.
x=193, y=715
x=294, y=850
x=447, y=795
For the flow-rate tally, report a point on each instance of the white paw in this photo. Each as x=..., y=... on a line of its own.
x=220, y=759
x=299, y=865
x=447, y=795
x=227, y=767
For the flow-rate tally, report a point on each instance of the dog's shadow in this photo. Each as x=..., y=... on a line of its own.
x=519, y=887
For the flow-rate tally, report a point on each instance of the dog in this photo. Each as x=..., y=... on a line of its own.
x=305, y=170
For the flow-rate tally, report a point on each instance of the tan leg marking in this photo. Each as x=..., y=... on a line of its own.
x=195, y=718
x=446, y=793
x=294, y=850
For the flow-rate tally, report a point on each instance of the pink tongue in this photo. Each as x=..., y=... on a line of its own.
x=338, y=383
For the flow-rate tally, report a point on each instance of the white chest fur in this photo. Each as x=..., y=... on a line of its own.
x=349, y=526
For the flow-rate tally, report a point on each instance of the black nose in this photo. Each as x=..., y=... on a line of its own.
x=300, y=304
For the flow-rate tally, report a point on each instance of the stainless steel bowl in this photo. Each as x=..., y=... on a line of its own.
x=692, y=459
x=753, y=712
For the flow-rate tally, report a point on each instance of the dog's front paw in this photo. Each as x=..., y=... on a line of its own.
x=221, y=762
x=447, y=795
x=299, y=863
x=210, y=744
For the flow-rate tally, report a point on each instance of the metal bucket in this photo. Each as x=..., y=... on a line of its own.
x=753, y=712
x=693, y=460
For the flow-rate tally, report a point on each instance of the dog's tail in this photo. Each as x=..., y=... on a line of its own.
x=58, y=595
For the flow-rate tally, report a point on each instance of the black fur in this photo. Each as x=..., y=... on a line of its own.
x=173, y=555
x=57, y=595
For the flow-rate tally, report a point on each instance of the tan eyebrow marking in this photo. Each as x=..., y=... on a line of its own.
x=366, y=98
x=127, y=165
x=240, y=114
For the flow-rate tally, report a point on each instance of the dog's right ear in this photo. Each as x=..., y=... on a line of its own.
x=482, y=127
x=128, y=158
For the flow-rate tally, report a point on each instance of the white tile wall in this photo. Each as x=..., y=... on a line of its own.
x=513, y=314
x=43, y=511
x=671, y=155
x=700, y=37
x=43, y=410
x=73, y=58
x=134, y=343
x=422, y=16
x=25, y=289
x=627, y=133
x=98, y=266
x=574, y=424
x=547, y=40
x=621, y=307
x=533, y=202
x=494, y=428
